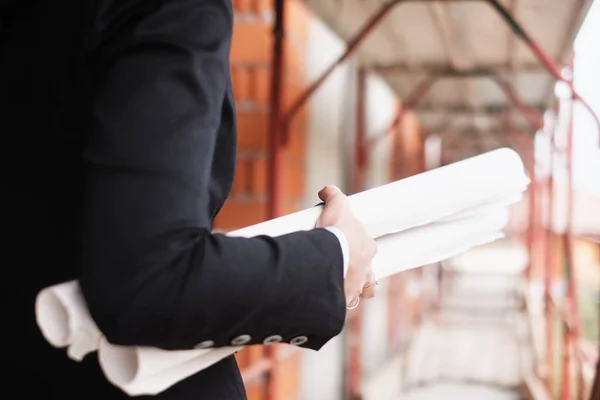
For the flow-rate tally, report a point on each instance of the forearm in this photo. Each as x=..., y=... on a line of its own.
x=203, y=288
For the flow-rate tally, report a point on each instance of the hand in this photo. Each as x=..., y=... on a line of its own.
x=360, y=281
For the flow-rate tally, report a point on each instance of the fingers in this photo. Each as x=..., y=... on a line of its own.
x=333, y=198
x=370, y=287
x=353, y=289
x=329, y=192
x=368, y=290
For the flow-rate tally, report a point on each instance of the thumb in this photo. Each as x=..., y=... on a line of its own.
x=333, y=198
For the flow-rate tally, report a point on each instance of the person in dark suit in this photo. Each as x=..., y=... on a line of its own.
x=119, y=133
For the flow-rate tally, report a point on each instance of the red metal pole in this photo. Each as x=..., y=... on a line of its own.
x=532, y=228
x=544, y=58
x=353, y=45
x=360, y=145
x=572, y=327
x=549, y=267
x=275, y=150
x=421, y=90
x=359, y=174
x=275, y=126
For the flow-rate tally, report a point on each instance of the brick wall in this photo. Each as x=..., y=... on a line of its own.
x=323, y=164
x=247, y=204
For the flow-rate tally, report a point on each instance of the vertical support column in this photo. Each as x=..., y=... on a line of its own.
x=532, y=225
x=354, y=366
x=360, y=145
x=566, y=388
x=549, y=267
x=275, y=121
x=275, y=150
x=572, y=324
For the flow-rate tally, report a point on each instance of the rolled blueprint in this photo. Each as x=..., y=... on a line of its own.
x=420, y=199
x=416, y=221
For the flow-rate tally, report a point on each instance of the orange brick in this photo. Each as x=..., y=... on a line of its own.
x=291, y=205
x=263, y=5
x=237, y=214
x=261, y=85
x=291, y=93
x=256, y=391
x=294, y=65
x=252, y=131
x=293, y=179
x=242, y=175
x=257, y=179
x=242, y=5
x=296, y=145
x=242, y=358
x=287, y=375
x=251, y=43
x=241, y=77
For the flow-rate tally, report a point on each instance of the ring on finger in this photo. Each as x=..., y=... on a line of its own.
x=353, y=306
x=375, y=282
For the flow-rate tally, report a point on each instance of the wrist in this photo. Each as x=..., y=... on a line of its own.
x=343, y=245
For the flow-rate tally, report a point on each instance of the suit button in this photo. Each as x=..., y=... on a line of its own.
x=273, y=339
x=204, y=345
x=241, y=340
x=299, y=340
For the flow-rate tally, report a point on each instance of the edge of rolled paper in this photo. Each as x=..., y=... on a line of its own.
x=120, y=364
x=123, y=366
x=305, y=219
x=53, y=318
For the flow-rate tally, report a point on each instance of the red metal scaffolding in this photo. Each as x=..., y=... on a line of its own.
x=279, y=125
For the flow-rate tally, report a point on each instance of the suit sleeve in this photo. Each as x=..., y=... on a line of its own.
x=153, y=274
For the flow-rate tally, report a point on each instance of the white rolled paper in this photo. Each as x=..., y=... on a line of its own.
x=416, y=221
x=420, y=199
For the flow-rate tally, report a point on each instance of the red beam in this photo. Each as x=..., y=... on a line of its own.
x=360, y=145
x=275, y=150
x=353, y=45
x=549, y=265
x=551, y=66
x=572, y=333
x=354, y=361
x=275, y=128
x=533, y=116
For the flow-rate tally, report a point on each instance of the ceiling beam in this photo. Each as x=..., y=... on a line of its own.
x=466, y=110
x=433, y=68
x=454, y=43
x=580, y=10
x=511, y=40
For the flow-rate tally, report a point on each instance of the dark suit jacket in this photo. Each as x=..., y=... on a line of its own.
x=118, y=128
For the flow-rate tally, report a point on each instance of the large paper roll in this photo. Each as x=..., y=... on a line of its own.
x=416, y=221
x=421, y=199
x=143, y=370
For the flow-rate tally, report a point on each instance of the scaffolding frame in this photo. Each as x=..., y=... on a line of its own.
x=279, y=130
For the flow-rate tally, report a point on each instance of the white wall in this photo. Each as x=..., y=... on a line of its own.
x=329, y=158
x=586, y=158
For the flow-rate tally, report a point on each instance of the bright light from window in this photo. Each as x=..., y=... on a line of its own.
x=586, y=141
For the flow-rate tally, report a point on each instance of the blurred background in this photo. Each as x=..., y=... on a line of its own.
x=359, y=93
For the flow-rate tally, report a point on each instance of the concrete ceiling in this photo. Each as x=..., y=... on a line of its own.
x=418, y=39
